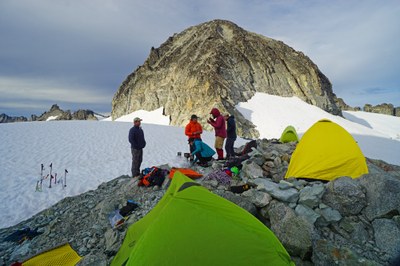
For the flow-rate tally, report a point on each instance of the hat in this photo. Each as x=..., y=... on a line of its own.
x=137, y=119
x=194, y=117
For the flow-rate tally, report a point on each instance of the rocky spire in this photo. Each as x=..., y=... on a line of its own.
x=219, y=64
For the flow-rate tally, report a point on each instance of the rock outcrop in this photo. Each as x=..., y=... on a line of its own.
x=384, y=108
x=342, y=222
x=344, y=106
x=55, y=113
x=11, y=119
x=218, y=64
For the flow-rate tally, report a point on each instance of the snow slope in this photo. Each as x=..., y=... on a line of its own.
x=96, y=152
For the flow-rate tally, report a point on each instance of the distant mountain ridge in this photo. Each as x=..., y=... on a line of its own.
x=384, y=108
x=219, y=64
x=55, y=113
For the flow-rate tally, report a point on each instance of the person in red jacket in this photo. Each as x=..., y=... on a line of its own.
x=193, y=130
x=218, y=123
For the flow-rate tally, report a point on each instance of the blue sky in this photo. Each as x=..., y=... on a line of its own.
x=77, y=53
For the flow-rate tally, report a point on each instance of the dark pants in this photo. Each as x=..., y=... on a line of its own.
x=229, y=147
x=137, y=158
x=202, y=159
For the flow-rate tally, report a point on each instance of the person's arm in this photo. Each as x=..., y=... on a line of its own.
x=131, y=136
x=200, y=131
x=230, y=126
x=220, y=122
x=211, y=122
x=187, y=131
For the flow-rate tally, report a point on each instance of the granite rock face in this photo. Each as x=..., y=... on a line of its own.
x=218, y=64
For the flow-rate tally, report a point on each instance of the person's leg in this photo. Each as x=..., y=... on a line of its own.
x=140, y=160
x=229, y=147
x=136, y=162
x=201, y=158
x=219, y=143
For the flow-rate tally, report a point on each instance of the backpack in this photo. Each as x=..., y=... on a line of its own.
x=248, y=147
x=152, y=176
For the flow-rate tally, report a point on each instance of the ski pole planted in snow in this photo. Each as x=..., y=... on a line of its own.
x=65, y=177
x=51, y=177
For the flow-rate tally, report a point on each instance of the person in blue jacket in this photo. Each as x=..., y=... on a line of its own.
x=136, y=138
x=202, y=152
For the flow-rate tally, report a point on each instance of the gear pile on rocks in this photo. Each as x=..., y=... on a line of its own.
x=345, y=221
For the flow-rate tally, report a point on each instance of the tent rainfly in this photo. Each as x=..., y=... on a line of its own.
x=192, y=226
x=289, y=135
x=325, y=152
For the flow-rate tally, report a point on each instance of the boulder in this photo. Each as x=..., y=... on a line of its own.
x=311, y=195
x=382, y=192
x=345, y=195
x=330, y=215
x=294, y=232
x=307, y=213
x=258, y=198
x=251, y=170
x=287, y=195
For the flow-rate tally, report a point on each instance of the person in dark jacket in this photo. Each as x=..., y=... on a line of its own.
x=136, y=138
x=230, y=135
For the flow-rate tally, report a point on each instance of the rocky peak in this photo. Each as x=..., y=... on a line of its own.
x=219, y=64
x=55, y=113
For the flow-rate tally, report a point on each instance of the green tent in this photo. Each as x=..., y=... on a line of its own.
x=192, y=226
x=289, y=135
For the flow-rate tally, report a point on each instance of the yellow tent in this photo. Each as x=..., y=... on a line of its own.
x=325, y=152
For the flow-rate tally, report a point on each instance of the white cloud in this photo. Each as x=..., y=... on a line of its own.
x=48, y=90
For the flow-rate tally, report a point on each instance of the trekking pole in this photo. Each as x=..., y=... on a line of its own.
x=65, y=177
x=55, y=178
x=41, y=171
x=51, y=177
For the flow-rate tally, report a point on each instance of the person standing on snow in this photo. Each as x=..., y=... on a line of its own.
x=136, y=138
x=218, y=123
x=193, y=130
x=230, y=135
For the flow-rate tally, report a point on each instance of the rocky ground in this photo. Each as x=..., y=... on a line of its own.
x=344, y=222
